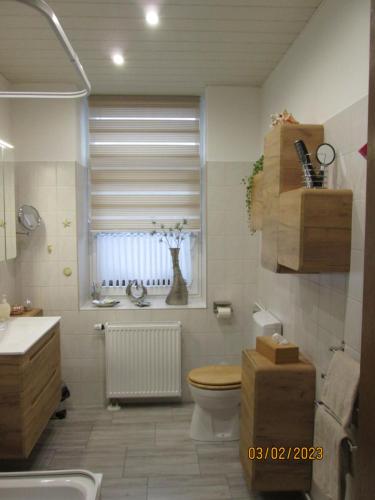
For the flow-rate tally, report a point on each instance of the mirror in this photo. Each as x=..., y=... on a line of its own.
x=8, y=247
x=10, y=211
x=29, y=217
x=2, y=215
x=325, y=154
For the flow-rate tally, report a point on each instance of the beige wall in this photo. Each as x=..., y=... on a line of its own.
x=232, y=123
x=326, y=69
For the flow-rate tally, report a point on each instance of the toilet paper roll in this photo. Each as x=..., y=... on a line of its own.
x=223, y=312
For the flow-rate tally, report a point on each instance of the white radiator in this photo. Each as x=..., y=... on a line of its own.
x=143, y=360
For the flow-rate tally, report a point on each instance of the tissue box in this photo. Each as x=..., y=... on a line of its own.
x=278, y=354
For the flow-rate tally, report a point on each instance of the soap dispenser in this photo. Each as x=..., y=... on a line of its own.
x=4, y=312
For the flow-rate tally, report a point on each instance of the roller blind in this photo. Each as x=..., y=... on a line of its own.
x=145, y=162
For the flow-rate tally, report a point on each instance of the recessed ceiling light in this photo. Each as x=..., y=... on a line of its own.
x=5, y=145
x=152, y=17
x=118, y=59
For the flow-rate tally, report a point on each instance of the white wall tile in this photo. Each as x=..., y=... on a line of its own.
x=353, y=324
x=355, y=287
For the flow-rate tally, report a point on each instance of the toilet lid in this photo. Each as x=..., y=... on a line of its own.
x=216, y=375
x=231, y=387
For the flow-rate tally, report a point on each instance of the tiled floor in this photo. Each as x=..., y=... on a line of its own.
x=145, y=453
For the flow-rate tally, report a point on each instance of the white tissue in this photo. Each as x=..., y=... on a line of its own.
x=279, y=339
x=224, y=312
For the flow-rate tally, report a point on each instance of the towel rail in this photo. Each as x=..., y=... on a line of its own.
x=42, y=7
x=351, y=446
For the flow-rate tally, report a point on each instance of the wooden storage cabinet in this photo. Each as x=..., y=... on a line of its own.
x=277, y=410
x=315, y=228
x=281, y=172
x=30, y=390
x=304, y=230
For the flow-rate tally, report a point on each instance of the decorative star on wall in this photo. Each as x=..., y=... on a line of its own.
x=67, y=223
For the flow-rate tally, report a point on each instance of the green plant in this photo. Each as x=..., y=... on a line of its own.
x=173, y=236
x=249, y=183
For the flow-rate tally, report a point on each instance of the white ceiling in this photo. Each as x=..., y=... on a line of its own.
x=198, y=43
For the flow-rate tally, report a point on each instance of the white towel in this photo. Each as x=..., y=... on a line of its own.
x=340, y=387
x=327, y=473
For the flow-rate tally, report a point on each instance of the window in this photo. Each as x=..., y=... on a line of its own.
x=145, y=167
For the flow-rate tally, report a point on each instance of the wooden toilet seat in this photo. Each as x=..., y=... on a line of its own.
x=216, y=377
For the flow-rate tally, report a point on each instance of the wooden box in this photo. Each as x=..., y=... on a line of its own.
x=315, y=230
x=257, y=203
x=32, y=312
x=277, y=411
x=282, y=172
x=277, y=353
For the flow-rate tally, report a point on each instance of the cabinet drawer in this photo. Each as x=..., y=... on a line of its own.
x=37, y=415
x=40, y=365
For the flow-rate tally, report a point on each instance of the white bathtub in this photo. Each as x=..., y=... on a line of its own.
x=50, y=485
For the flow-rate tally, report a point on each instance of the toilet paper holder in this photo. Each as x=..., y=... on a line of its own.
x=222, y=304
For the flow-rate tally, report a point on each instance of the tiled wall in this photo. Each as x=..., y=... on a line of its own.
x=43, y=255
x=231, y=267
x=318, y=311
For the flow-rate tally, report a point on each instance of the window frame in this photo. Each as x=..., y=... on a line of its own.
x=198, y=289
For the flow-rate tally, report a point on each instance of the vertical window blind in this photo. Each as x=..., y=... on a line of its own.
x=145, y=162
x=125, y=257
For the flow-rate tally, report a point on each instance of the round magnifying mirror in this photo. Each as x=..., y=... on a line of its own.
x=325, y=154
x=29, y=217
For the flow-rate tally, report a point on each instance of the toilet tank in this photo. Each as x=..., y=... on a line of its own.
x=264, y=323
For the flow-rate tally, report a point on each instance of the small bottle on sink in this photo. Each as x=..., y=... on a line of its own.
x=4, y=312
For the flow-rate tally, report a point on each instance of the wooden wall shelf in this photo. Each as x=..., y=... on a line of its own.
x=315, y=230
x=304, y=230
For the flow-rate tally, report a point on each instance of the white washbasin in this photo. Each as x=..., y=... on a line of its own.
x=50, y=485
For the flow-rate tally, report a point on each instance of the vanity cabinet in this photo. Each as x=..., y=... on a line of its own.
x=30, y=390
x=277, y=412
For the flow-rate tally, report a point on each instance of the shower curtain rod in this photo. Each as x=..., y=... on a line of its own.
x=46, y=10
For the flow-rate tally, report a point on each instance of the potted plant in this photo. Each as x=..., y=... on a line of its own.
x=249, y=183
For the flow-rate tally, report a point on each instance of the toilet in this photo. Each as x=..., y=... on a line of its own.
x=216, y=390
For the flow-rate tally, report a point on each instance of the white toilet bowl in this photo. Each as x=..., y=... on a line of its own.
x=216, y=391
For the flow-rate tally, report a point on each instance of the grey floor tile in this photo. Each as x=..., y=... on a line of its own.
x=174, y=433
x=145, y=453
x=219, y=458
x=140, y=466
x=126, y=434
x=124, y=489
x=215, y=492
x=238, y=487
x=67, y=458
x=163, y=454
x=186, y=481
x=110, y=464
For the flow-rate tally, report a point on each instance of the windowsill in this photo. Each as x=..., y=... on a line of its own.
x=157, y=302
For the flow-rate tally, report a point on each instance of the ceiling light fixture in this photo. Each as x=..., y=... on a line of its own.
x=118, y=59
x=152, y=17
x=5, y=145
